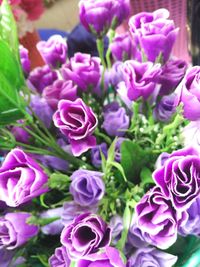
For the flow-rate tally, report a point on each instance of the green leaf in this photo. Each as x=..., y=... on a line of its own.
x=11, y=107
x=146, y=176
x=59, y=181
x=133, y=159
x=9, y=65
x=120, y=169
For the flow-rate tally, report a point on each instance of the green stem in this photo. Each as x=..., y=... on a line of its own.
x=108, y=54
x=100, y=48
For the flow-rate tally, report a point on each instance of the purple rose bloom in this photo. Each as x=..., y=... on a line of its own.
x=41, y=108
x=172, y=73
x=116, y=224
x=157, y=219
x=140, y=78
x=83, y=70
x=114, y=75
x=55, y=227
x=116, y=121
x=60, y=258
x=109, y=257
x=96, y=154
x=179, y=177
x=155, y=33
x=165, y=109
x=161, y=160
x=99, y=16
x=53, y=162
x=87, y=187
x=123, y=48
x=188, y=92
x=53, y=51
x=21, y=179
x=146, y=257
x=59, y=90
x=41, y=77
x=72, y=210
x=191, y=224
x=85, y=235
x=25, y=61
x=15, y=231
x=78, y=122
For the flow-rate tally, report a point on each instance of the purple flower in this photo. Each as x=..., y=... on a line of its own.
x=41, y=77
x=78, y=122
x=172, y=73
x=114, y=75
x=157, y=219
x=85, y=235
x=55, y=227
x=53, y=162
x=41, y=108
x=59, y=90
x=140, y=78
x=7, y=258
x=72, y=210
x=165, y=108
x=26, y=64
x=109, y=257
x=135, y=235
x=116, y=121
x=20, y=134
x=151, y=257
x=87, y=187
x=96, y=154
x=54, y=50
x=60, y=258
x=179, y=177
x=83, y=70
x=191, y=224
x=116, y=224
x=118, y=144
x=188, y=92
x=123, y=48
x=99, y=16
x=15, y=231
x=161, y=159
x=155, y=33
x=21, y=179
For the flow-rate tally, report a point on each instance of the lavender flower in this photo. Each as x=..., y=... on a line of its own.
x=55, y=227
x=83, y=70
x=54, y=50
x=179, y=178
x=15, y=231
x=155, y=33
x=41, y=77
x=96, y=154
x=78, y=122
x=118, y=144
x=21, y=179
x=151, y=257
x=85, y=235
x=87, y=187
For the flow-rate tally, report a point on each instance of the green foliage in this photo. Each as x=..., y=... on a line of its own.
x=59, y=181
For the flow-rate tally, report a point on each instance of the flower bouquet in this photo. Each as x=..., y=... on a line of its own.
x=100, y=161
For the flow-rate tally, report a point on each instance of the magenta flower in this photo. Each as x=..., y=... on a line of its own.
x=15, y=231
x=157, y=219
x=140, y=78
x=85, y=235
x=109, y=257
x=78, y=122
x=188, y=92
x=155, y=33
x=25, y=61
x=83, y=70
x=21, y=179
x=179, y=177
x=54, y=50
x=59, y=90
x=60, y=258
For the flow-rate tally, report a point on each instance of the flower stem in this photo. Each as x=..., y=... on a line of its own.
x=100, y=48
x=108, y=54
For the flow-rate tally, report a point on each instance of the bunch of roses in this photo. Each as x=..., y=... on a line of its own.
x=83, y=106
